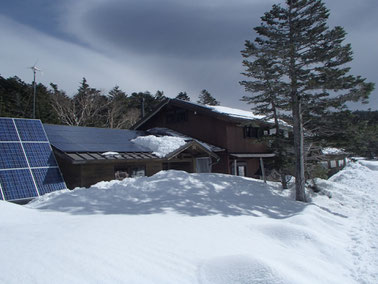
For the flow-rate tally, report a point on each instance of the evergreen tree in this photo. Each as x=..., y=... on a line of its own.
x=117, y=109
x=312, y=60
x=159, y=96
x=267, y=75
x=136, y=100
x=205, y=98
x=183, y=96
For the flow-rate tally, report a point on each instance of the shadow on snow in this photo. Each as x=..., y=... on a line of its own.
x=167, y=191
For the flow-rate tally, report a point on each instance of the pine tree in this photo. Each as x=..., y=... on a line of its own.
x=183, y=96
x=205, y=98
x=267, y=75
x=312, y=60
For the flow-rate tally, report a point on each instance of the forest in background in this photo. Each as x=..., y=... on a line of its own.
x=116, y=109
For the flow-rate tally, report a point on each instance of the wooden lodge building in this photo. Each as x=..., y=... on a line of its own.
x=217, y=139
x=233, y=131
x=87, y=155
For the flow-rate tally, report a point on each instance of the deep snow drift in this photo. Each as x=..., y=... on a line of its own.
x=176, y=227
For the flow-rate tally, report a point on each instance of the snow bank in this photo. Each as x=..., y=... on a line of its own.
x=176, y=227
x=161, y=146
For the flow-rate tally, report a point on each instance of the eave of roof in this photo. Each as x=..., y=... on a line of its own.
x=97, y=157
x=253, y=155
x=188, y=145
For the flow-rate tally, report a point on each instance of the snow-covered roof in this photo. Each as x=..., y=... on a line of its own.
x=238, y=113
x=160, y=146
x=162, y=131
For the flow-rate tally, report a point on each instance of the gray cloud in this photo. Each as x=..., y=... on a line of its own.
x=174, y=28
x=170, y=45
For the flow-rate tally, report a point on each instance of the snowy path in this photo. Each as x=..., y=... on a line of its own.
x=356, y=189
x=176, y=227
x=364, y=231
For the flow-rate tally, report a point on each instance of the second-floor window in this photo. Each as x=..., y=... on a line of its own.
x=177, y=115
x=253, y=132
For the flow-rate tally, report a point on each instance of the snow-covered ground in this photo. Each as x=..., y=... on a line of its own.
x=176, y=227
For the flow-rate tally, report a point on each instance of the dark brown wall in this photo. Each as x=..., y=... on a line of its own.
x=238, y=144
x=209, y=129
x=197, y=125
x=71, y=173
x=223, y=165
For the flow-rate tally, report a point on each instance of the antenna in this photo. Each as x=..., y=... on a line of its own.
x=35, y=69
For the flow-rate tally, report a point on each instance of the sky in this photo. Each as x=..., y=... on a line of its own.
x=149, y=45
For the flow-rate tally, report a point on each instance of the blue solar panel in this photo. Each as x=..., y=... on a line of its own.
x=48, y=180
x=30, y=130
x=12, y=156
x=17, y=184
x=27, y=165
x=7, y=130
x=39, y=155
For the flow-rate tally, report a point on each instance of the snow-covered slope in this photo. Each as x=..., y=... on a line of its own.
x=176, y=227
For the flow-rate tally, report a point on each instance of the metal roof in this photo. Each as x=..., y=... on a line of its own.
x=92, y=139
x=81, y=157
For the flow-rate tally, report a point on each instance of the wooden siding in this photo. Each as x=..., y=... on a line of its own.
x=209, y=129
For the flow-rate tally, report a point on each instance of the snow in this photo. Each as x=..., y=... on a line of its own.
x=332, y=151
x=110, y=154
x=162, y=131
x=161, y=146
x=242, y=114
x=176, y=227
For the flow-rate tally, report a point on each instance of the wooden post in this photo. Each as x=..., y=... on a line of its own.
x=262, y=169
x=235, y=167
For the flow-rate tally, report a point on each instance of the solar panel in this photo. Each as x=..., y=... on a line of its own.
x=12, y=156
x=30, y=130
x=39, y=155
x=27, y=165
x=17, y=184
x=7, y=130
x=48, y=179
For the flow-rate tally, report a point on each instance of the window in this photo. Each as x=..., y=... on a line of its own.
x=138, y=171
x=129, y=171
x=332, y=164
x=255, y=132
x=251, y=132
x=341, y=163
x=177, y=115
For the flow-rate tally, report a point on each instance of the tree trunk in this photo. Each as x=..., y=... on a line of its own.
x=298, y=149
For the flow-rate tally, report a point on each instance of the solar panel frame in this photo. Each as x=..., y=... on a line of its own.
x=1, y=193
x=30, y=170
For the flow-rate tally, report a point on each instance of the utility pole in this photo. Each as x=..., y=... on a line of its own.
x=35, y=69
